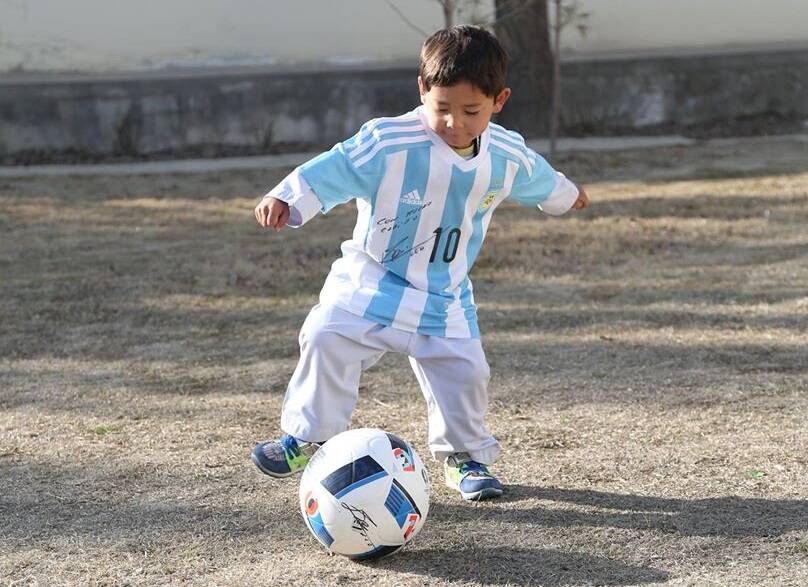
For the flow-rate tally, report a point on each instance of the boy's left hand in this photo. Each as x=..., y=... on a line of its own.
x=582, y=201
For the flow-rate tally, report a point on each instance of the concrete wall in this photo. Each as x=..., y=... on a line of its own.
x=118, y=35
x=687, y=93
x=48, y=118
x=215, y=113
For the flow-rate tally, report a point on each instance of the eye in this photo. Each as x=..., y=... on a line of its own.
x=443, y=110
x=472, y=113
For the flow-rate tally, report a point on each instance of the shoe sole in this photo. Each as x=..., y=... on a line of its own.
x=487, y=493
x=266, y=471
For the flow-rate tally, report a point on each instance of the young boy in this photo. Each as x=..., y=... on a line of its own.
x=426, y=184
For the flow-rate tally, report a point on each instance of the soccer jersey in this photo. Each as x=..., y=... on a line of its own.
x=423, y=212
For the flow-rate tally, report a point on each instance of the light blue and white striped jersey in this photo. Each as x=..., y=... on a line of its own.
x=423, y=212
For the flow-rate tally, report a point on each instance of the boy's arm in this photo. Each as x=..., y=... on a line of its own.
x=291, y=202
x=330, y=179
x=542, y=186
x=562, y=197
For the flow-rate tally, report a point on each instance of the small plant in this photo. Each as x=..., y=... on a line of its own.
x=104, y=429
x=755, y=474
x=801, y=547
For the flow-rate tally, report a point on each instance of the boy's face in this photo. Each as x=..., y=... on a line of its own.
x=459, y=113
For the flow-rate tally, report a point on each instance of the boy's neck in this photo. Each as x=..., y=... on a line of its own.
x=470, y=150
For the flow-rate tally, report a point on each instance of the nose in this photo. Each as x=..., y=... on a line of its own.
x=452, y=123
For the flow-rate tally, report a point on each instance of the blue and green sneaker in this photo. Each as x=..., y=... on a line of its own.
x=470, y=478
x=284, y=457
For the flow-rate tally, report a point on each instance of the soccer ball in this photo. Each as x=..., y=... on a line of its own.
x=364, y=494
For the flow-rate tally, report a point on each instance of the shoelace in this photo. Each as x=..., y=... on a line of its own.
x=474, y=468
x=290, y=445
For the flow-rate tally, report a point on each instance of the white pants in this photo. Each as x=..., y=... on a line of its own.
x=336, y=346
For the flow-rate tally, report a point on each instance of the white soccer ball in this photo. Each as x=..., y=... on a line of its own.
x=364, y=494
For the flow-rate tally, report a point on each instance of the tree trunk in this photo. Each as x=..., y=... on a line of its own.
x=523, y=29
x=555, y=109
x=448, y=12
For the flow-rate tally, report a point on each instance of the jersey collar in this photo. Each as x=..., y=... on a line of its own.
x=449, y=154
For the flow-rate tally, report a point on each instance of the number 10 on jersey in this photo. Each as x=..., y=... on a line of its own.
x=449, y=244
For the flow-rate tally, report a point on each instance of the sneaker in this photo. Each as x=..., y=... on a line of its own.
x=470, y=478
x=284, y=457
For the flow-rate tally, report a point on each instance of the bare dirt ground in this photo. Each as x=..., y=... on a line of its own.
x=650, y=382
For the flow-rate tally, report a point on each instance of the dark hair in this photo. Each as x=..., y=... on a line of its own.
x=464, y=53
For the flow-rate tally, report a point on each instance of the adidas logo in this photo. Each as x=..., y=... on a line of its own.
x=412, y=197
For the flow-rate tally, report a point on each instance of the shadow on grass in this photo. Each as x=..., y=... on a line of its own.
x=520, y=566
x=141, y=508
x=729, y=516
x=122, y=507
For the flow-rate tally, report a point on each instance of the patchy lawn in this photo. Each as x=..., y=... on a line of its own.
x=650, y=382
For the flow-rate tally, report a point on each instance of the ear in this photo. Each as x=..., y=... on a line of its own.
x=422, y=89
x=500, y=100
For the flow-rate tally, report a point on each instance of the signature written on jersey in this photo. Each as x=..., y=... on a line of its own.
x=388, y=224
x=444, y=248
x=400, y=249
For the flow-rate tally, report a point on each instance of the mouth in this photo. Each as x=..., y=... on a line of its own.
x=456, y=141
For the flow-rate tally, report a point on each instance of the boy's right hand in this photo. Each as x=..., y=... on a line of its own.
x=272, y=213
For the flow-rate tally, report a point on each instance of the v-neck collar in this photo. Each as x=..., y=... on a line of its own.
x=449, y=154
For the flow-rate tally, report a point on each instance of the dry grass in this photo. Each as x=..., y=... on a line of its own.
x=649, y=382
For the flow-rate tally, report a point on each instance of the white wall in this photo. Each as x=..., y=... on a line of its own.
x=95, y=35
x=628, y=25
x=135, y=34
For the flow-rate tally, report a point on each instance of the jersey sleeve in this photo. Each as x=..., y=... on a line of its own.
x=538, y=184
x=330, y=179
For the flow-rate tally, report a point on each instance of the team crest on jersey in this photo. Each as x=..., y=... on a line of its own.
x=413, y=198
x=489, y=199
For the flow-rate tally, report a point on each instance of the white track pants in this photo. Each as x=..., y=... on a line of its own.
x=336, y=346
